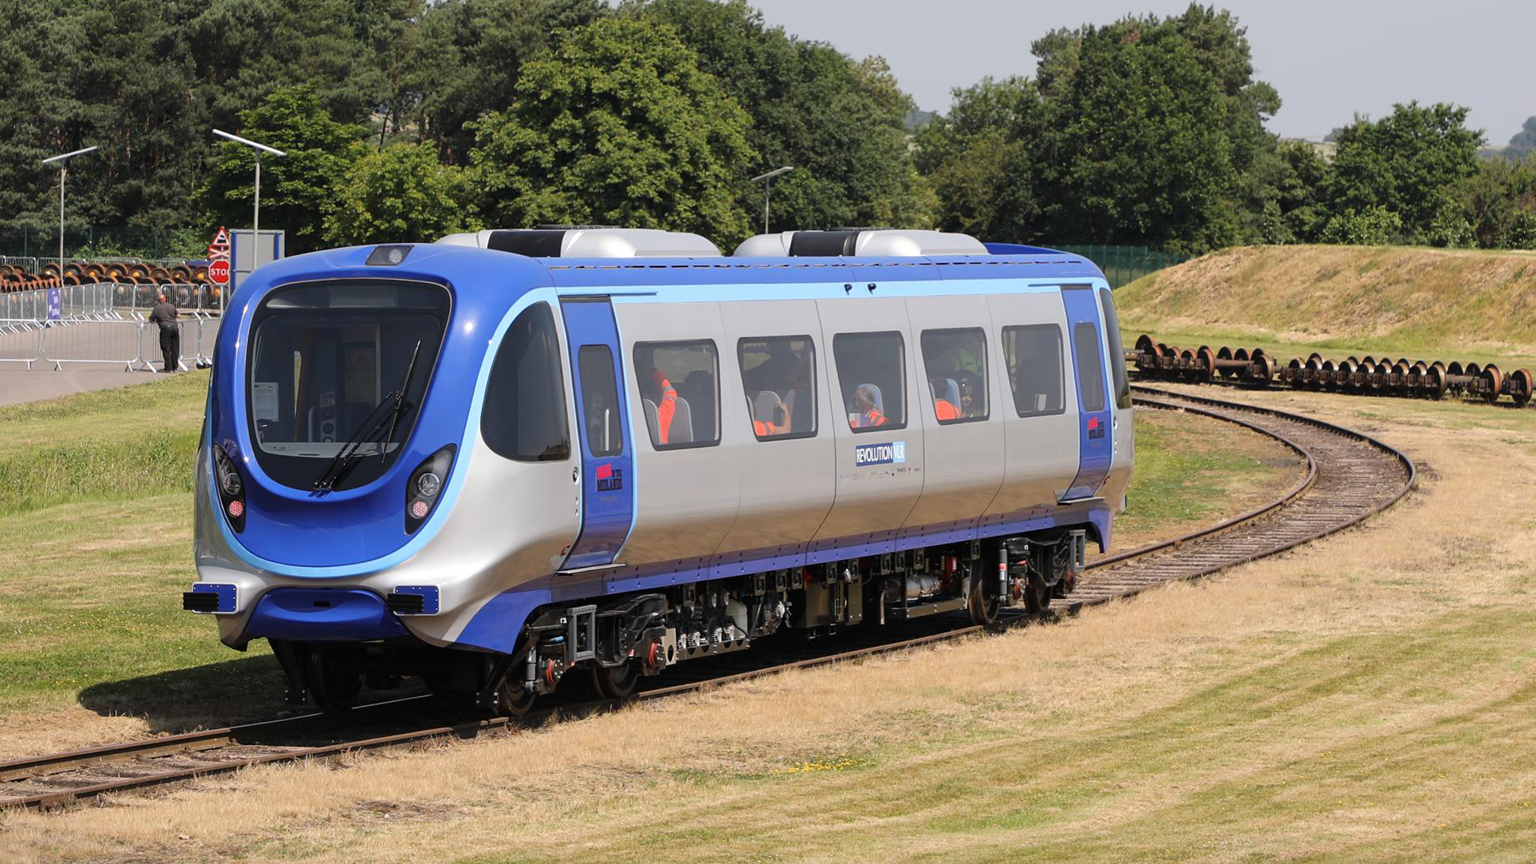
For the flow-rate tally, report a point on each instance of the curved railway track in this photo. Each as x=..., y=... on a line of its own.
x=1350, y=477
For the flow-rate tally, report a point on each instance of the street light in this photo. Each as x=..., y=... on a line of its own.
x=256, y=216
x=768, y=189
x=63, y=160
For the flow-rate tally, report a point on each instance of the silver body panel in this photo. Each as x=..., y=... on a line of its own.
x=1041, y=452
x=787, y=485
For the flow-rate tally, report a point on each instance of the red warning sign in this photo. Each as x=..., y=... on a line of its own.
x=218, y=271
x=219, y=249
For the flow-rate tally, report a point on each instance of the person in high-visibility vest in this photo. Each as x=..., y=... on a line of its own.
x=942, y=407
x=666, y=405
x=868, y=413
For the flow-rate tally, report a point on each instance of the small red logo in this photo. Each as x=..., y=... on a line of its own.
x=604, y=472
x=1093, y=423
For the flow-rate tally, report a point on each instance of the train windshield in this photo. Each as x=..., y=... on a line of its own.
x=340, y=363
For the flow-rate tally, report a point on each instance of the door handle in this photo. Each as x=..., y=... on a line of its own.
x=576, y=474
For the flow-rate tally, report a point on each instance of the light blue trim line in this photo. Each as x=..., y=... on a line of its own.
x=434, y=522
x=726, y=293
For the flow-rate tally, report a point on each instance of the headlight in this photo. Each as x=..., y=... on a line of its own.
x=424, y=488
x=231, y=488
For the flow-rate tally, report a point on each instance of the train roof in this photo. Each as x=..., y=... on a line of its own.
x=463, y=264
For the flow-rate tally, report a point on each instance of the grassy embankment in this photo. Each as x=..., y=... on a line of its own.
x=95, y=548
x=1340, y=300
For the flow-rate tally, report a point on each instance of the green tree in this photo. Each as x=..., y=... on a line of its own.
x=1523, y=143
x=1143, y=155
x=1146, y=131
x=400, y=194
x=473, y=54
x=840, y=122
x=1375, y=226
x=1499, y=203
x=616, y=124
x=979, y=160
x=1406, y=163
x=299, y=190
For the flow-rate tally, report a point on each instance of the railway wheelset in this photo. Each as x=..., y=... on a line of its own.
x=1368, y=376
x=15, y=277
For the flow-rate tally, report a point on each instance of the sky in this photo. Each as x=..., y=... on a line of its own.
x=1329, y=60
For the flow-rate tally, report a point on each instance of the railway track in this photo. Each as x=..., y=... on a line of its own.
x=1350, y=477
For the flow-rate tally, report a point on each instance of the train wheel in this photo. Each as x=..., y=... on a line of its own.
x=983, y=600
x=333, y=686
x=616, y=682
x=1037, y=597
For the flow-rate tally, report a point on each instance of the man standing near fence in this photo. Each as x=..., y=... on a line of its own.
x=164, y=314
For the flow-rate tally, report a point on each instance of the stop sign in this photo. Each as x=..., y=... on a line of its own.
x=218, y=272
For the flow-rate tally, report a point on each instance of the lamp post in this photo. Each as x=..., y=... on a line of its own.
x=260, y=149
x=768, y=189
x=63, y=160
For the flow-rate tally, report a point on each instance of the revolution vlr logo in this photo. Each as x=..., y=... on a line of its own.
x=893, y=453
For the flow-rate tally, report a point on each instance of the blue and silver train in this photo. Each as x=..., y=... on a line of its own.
x=510, y=457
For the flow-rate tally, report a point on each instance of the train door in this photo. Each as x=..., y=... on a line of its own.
x=1095, y=419
x=1124, y=434
x=607, y=460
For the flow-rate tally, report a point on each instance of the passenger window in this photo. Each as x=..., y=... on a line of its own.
x=1033, y=357
x=956, y=361
x=679, y=389
x=778, y=374
x=1116, y=349
x=871, y=369
x=1090, y=367
x=524, y=413
x=600, y=400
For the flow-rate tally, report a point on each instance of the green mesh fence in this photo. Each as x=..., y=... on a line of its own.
x=1125, y=264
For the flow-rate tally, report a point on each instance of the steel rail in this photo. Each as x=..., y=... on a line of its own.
x=62, y=778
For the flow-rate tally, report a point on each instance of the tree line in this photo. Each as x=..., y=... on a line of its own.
x=407, y=119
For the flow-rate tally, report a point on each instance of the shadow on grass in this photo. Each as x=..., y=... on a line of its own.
x=214, y=694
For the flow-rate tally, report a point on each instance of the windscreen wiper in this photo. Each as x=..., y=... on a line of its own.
x=348, y=455
x=400, y=403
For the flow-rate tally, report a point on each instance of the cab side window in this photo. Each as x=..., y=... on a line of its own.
x=778, y=374
x=1116, y=349
x=680, y=391
x=524, y=417
x=600, y=401
x=1090, y=367
x=872, y=374
x=956, y=363
x=1033, y=356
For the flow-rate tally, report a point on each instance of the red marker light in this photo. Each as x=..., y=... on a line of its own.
x=419, y=509
x=236, y=509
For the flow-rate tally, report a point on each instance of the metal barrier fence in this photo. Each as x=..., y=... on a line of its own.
x=107, y=300
x=1125, y=264
x=132, y=343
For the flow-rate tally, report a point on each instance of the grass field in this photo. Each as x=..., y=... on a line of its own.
x=95, y=550
x=1340, y=300
x=1369, y=698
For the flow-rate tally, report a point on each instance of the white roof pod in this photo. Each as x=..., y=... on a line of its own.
x=587, y=241
x=875, y=242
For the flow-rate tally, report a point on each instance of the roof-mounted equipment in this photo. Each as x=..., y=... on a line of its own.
x=588, y=241
x=863, y=242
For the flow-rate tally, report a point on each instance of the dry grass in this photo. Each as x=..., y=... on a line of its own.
x=1368, y=698
x=1463, y=305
